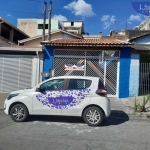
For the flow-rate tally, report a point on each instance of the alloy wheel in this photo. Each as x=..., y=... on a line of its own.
x=93, y=116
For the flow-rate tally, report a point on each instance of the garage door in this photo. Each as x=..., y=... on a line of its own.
x=17, y=72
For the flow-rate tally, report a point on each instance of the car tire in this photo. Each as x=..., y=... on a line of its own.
x=19, y=113
x=93, y=116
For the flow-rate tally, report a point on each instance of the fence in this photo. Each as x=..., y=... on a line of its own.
x=106, y=70
x=144, y=85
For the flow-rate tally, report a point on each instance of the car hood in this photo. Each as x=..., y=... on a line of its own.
x=19, y=91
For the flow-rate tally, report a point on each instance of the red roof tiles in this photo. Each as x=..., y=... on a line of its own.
x=85, y=42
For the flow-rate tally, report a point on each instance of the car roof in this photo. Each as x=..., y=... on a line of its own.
x=78, y=77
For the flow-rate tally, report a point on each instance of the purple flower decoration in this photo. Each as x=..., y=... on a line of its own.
x=67, y=98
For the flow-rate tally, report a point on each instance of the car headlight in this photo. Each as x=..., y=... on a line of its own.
x=12, y=95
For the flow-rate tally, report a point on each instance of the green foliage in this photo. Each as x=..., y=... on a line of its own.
x=141, y=107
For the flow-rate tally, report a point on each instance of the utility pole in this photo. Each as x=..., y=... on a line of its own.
x=44, y=20
x=49, y=17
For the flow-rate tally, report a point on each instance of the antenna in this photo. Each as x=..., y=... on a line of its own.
x=126, y=28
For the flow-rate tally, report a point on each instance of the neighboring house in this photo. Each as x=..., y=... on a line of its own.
x=4, y=42
x=58, y=34
x=34, y=27
x=10, y=32
x=107, y=58
x=76, y=27
x=126, y=35
x=145, y=25
x=141, y=51
x=89, y=36
x=20, y=66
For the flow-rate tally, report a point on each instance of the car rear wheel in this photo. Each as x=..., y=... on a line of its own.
x=93, y=116
x=19, y=113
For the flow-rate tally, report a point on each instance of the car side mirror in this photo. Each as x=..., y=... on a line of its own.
x=39, y=89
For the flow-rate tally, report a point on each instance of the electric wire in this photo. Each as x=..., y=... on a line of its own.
x=22, y=12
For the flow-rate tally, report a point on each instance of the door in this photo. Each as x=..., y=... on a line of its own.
x=50, y=99
x=79, y=92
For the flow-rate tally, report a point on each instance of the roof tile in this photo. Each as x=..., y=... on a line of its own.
x=71, y=41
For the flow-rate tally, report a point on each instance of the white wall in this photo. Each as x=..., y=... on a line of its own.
x=76, y=24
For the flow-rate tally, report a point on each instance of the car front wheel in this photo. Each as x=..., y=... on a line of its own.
x=93, y=116
x=19, y=113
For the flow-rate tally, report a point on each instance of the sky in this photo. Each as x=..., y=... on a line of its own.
x=97, y=15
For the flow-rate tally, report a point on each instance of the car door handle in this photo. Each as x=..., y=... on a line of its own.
x=86, y=94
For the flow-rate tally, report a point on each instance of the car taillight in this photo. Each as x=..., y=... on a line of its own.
x=101, y=91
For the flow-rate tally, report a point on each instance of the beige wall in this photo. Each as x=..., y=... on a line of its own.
x=28, y=26
x=36, y=42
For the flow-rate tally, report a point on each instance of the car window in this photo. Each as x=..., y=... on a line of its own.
x=51, y=85
x=79, y=84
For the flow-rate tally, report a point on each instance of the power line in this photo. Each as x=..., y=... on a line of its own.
x=8, y=9
x=35, y=0
x=21, y=12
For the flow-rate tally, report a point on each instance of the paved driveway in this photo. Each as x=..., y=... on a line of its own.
x=119, y=132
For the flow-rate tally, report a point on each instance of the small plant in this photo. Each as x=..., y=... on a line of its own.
x=141, y=107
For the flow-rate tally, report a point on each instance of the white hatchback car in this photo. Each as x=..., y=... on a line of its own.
x=65, y=96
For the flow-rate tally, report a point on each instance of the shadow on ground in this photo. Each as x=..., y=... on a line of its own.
x=116, y=118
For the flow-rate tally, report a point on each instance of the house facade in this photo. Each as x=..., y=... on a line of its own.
x=10, y=33
x=141, y=49
x=34, y=27
x=19, y=65
x=109, y=59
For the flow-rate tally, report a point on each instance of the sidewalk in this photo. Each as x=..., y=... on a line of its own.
x=127, y=105
x=3, y=96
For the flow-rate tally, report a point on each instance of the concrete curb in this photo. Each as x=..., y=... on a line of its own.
x=137, y=114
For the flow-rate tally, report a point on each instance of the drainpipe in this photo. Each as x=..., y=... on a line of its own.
x=38, y=66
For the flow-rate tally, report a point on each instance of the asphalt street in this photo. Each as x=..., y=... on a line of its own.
x=119, y=132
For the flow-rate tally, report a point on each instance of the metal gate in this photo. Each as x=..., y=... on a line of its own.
x=144, y=82
x=102, y=64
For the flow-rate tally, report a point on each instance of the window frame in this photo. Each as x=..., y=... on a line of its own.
x=40, y=26
x=68, y=81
